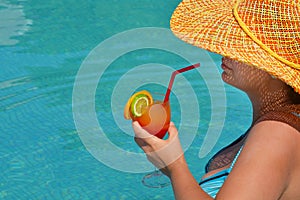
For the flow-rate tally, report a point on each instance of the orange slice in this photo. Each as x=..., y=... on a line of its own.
x=137, y=104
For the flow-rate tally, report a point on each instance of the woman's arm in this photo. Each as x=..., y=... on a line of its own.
x=168, y=156
x=184, y=184
x=262, y=170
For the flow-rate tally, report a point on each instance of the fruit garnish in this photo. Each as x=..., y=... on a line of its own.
x=137, y=104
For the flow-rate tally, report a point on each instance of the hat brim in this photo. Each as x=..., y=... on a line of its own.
x=211, y=25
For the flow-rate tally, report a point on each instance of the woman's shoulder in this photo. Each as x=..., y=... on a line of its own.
x=276, y=143
x=273, y=131
x=289, y=114
x=267, y=162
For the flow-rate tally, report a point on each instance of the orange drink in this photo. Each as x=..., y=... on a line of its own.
x=156, y=118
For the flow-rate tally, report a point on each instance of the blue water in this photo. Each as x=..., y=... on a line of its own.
x=43, y=47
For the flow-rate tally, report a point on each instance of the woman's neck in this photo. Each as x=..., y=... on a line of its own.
x=266, y=101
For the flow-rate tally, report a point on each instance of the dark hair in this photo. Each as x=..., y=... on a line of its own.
x=295, y=96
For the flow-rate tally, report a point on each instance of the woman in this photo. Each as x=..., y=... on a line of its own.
x=260, y=44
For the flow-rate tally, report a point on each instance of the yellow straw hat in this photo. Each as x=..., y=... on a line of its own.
x=263, y=33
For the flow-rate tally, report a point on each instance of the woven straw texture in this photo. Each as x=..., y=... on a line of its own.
x=263, y=33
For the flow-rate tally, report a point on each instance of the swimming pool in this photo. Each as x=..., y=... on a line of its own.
x=59, y=59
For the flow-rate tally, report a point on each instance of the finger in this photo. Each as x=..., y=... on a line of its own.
x=141, y=143
x=172, y=131
x=140, y=132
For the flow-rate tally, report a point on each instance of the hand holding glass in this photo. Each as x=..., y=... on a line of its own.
x=154, y=117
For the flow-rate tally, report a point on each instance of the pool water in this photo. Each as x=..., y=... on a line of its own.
x=55, y=55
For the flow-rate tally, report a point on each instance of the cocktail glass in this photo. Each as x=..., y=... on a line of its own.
x=156, y=120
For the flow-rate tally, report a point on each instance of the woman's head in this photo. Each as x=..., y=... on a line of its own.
x=243, y=76
x=262, y=33
x=247, y=77
x=255, y=82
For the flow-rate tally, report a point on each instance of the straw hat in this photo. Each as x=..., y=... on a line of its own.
x=263, y=33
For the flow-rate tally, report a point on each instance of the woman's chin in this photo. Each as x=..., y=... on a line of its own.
x=226, y=78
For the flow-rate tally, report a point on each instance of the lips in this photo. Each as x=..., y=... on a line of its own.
x=225, y=67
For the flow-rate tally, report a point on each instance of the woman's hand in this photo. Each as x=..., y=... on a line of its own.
x=162, y=153
x=167, y=155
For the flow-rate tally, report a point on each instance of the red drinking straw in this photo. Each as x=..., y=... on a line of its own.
x=173, y=77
